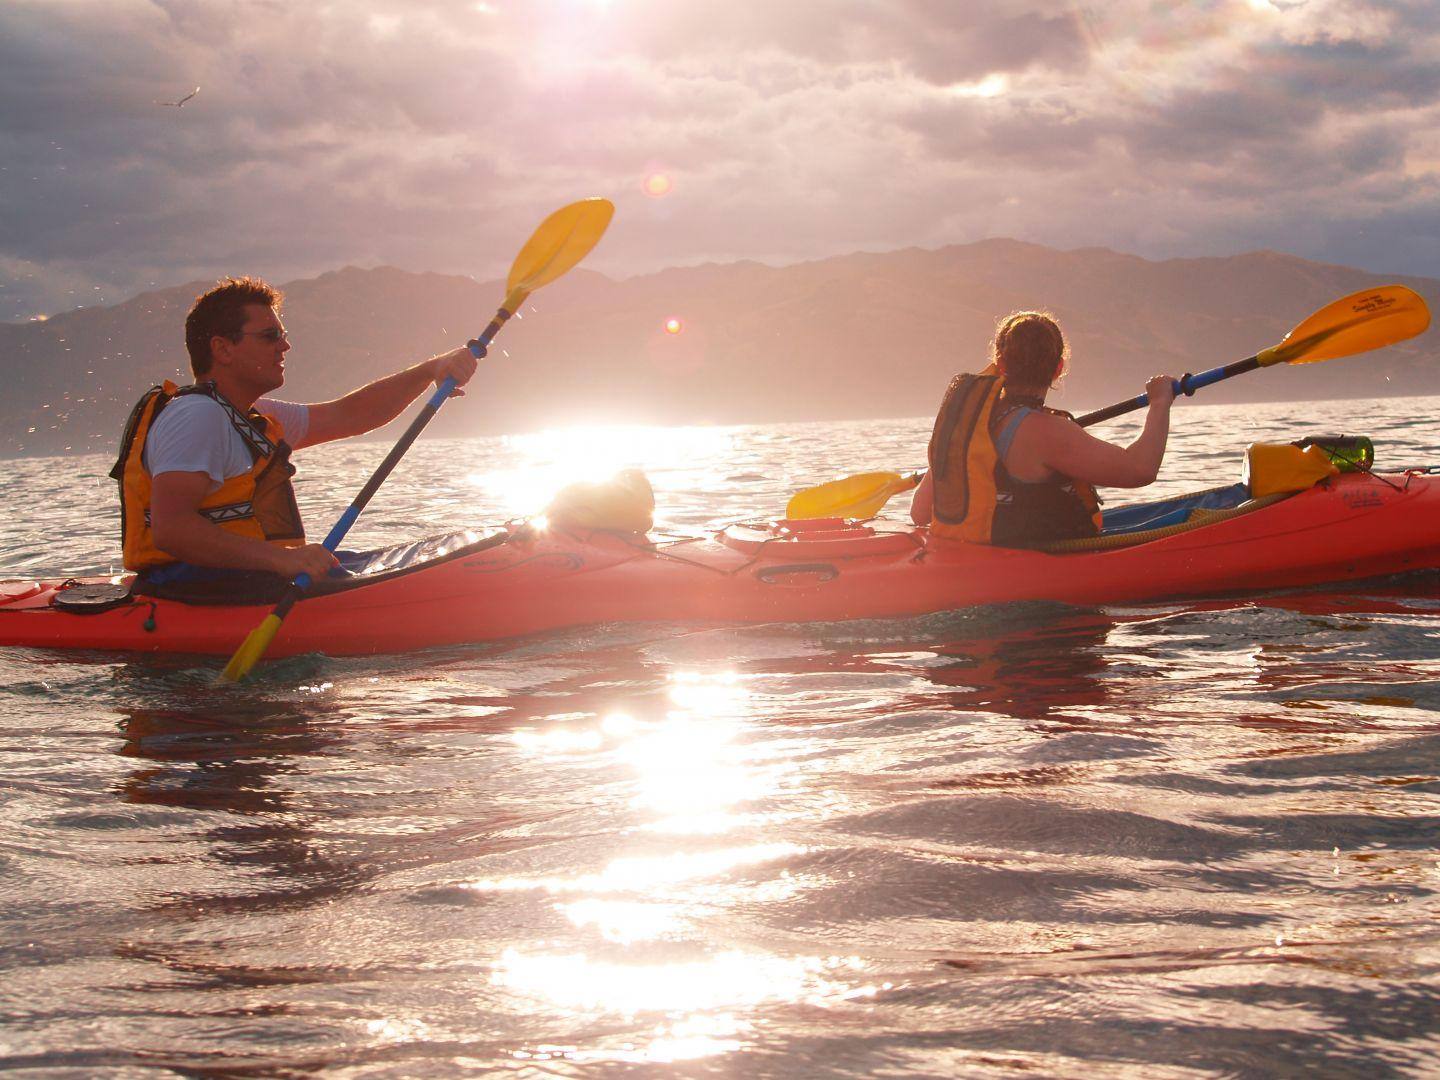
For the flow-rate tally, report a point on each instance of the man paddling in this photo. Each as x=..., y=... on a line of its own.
x=205, y=470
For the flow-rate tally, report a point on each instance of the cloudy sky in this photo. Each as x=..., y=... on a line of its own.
x=434, y=135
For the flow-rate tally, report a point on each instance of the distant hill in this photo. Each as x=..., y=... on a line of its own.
x=855, y=336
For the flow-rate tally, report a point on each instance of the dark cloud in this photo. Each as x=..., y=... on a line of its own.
x=1354, y=74
x=1209, y=124
x=945, y=43
x=1031, y=135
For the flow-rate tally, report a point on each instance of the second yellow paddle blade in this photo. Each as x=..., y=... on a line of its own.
x=251, y=649
x=1369, y=319
x=858, y=496
x=561, y=241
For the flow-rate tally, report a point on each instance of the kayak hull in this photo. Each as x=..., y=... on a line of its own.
x=525, y=581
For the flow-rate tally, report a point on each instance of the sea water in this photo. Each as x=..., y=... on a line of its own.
x=1167, y=840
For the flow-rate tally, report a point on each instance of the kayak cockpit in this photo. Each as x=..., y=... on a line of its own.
x=358, y=569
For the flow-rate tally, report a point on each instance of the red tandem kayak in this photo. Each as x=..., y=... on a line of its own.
x=518, y=580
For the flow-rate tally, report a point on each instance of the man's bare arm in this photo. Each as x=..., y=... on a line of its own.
x=379, y=402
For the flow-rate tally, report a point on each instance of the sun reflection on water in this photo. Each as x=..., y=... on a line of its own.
x=681, y=1040
x=626, y=922
x=690, y=768
x=695, y=775
x=732, y=979
x=646, y=873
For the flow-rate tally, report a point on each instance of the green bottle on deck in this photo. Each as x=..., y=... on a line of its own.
x=1348, y=453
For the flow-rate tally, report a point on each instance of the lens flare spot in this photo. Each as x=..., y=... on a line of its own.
x=674, y=326
x=657, y=185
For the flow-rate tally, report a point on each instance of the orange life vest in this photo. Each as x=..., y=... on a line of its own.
x=975, y=497
x=259, y=504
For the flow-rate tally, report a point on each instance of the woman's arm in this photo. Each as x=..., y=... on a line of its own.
x=1048, y=445
x=922, y=504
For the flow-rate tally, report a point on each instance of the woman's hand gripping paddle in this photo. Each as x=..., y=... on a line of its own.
x=1366, y=320
x=561, y=241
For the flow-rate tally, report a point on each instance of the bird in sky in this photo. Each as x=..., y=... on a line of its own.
x=181, y=103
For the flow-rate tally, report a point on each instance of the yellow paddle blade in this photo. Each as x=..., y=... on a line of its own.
x=1369, y=319
x=251, y=649
x=859, y=496
x=561, y=241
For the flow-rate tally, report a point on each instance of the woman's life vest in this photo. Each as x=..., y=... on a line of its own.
x=259, y=504
x=975, y=497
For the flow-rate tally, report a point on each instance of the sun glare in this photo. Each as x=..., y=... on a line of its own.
x=657, y=185
x=548, y=460
x=674, y=326
x=992, y=85
x=626, y=922
x=726, y=980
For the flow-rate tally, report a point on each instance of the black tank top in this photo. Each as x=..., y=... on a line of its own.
x=1027, y=514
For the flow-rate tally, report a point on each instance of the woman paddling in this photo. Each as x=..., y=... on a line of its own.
x=1007, y=470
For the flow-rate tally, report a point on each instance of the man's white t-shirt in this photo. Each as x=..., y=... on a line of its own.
x=194, y=434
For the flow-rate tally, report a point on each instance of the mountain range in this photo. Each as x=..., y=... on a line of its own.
x=849, y=337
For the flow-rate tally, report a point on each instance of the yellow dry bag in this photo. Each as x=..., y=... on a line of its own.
x=1272, y=468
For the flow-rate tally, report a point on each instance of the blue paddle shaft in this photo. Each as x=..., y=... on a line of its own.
x=1186, y=385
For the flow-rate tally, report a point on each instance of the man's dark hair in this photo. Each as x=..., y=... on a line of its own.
x=221, y=313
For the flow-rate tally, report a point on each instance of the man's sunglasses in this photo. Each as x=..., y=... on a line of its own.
x=273, y=336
